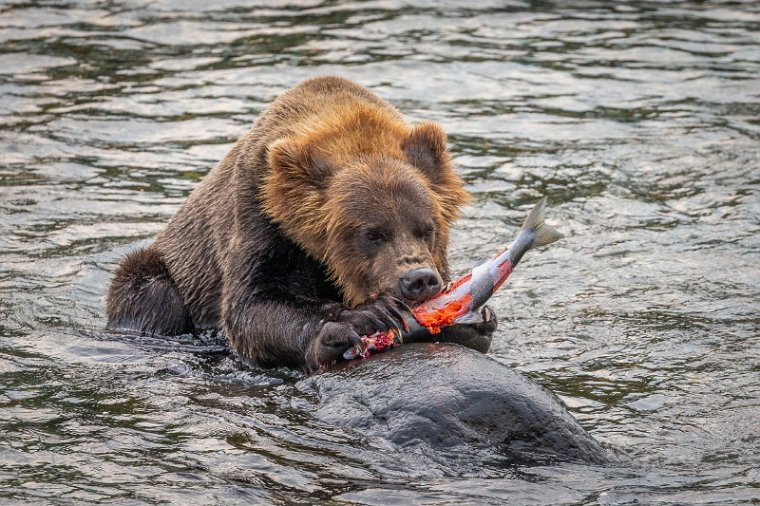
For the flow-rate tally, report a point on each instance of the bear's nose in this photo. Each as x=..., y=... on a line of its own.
x=420, y=284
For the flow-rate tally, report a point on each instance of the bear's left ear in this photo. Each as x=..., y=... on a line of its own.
x=300, y=164
x=426, y=149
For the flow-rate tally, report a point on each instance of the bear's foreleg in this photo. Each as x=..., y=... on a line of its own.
x=273, y=321
x=271, y=333
x=298, y=332
x=143, y=298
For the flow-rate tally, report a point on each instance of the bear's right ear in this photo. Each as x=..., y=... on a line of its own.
x=293, y=192
x=300, y=165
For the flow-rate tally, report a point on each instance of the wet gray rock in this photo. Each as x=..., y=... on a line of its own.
x=448, y=397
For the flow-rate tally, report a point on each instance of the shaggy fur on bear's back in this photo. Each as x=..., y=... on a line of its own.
x=265, y=247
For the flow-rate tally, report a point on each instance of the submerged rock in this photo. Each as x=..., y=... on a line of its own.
x=448, y=397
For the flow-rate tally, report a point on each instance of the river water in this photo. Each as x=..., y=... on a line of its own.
x=639, y=120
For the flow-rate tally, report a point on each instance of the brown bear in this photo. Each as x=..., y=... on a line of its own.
x=319, y=226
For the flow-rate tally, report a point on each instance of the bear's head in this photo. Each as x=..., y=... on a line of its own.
x=375, y=207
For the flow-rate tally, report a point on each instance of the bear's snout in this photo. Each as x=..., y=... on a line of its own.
x=420, y=284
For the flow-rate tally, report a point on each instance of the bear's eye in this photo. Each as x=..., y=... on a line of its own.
x=426, y=233
x=374, y=236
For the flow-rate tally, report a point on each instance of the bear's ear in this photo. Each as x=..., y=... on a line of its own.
x=301, y=164
x=425, y=148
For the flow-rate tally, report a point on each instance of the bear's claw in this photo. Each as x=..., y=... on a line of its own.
x=381, y=314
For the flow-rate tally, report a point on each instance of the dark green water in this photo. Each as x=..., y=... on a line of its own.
x=639, y=120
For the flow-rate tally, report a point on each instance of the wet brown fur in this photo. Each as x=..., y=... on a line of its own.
x=262, y=248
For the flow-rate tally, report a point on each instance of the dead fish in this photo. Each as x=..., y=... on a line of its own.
x=462, y=300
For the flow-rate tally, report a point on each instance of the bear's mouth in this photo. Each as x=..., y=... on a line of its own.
x=396, y=292
x=411, y=285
